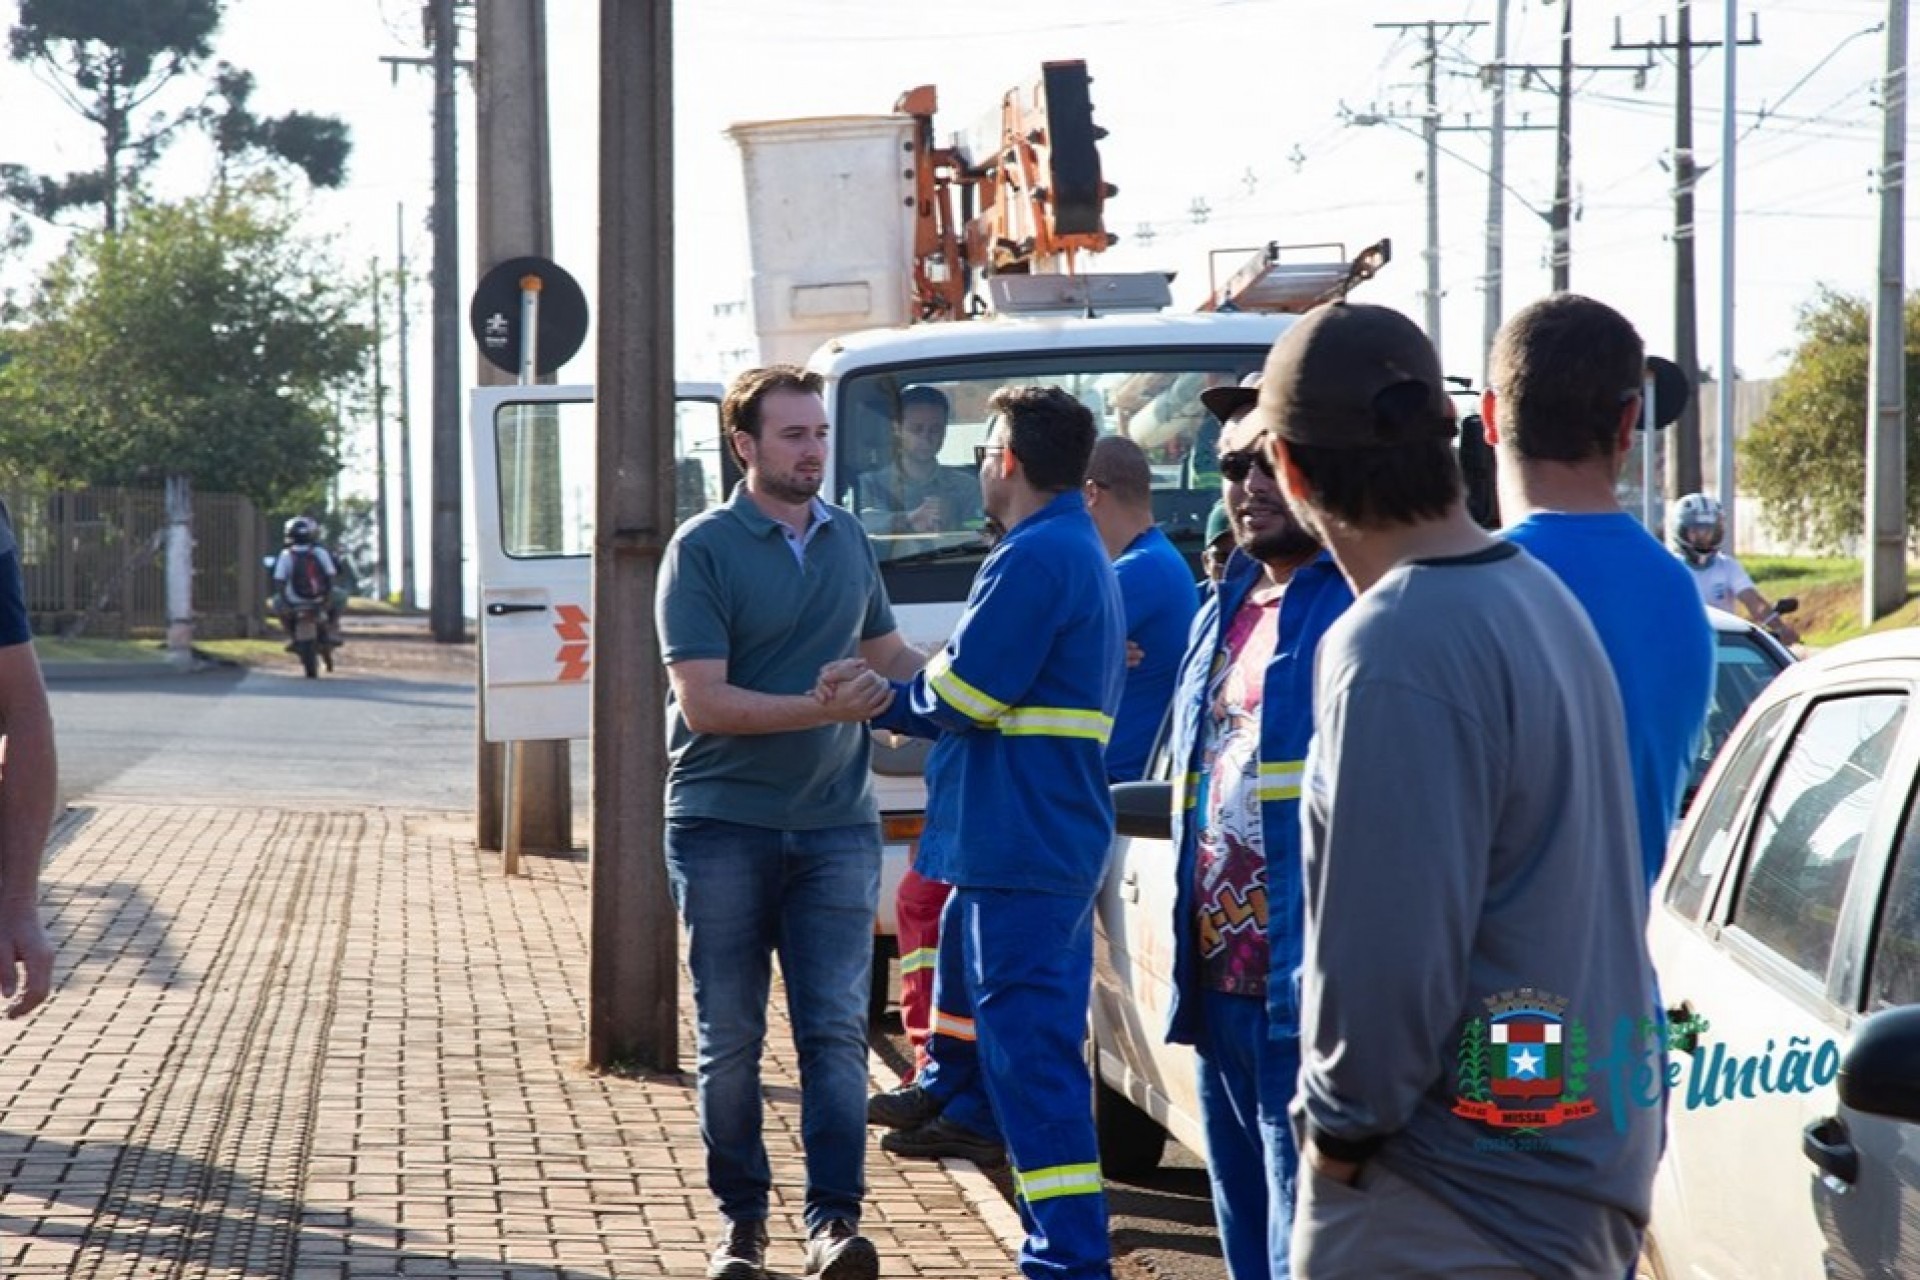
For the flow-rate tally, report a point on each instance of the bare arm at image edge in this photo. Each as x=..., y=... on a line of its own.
x=28, y=786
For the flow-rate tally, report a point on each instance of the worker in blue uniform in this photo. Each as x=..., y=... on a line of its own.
x=1023, y=697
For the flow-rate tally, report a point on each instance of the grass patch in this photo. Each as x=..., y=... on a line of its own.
x=1830, y=595
x=246, y=652
x=98, y=649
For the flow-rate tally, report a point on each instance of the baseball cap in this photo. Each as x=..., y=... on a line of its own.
x=1217, y=523
x=1224, y=402
x=1326, y=377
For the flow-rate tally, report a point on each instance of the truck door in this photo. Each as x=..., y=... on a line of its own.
x=533, y=478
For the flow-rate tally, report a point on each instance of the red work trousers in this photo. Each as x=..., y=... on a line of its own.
x=917, y=910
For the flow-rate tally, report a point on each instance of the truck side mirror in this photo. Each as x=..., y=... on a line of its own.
x=1143, y=809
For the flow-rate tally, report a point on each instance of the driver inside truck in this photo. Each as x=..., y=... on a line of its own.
x=915, y=493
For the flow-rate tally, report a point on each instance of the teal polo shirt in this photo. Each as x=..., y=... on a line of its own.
x=732, y=587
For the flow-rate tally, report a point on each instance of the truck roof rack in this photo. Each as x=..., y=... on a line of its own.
x=1096, y=293
x=1291, y=278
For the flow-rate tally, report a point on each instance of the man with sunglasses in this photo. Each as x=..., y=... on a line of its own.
x=1243, y=712
x=915, y=493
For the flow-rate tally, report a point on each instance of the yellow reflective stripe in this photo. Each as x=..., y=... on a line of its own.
x=1056, y=722
x=1186, y=791
x=1280, y=780
x=957, y=693
x=947, y=1024
x=1060, y=1180
x=917, y=960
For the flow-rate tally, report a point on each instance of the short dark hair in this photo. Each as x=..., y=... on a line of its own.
x=1379, y=485
x=1050, y=432
x=1120, y=466
x=920, y=393
x=740, y=411
x=1563, y=369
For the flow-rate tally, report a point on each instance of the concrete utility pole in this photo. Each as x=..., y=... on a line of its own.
x=447, y=607
x=1562, y=220
x=1886, y=568
x=1729, y=142
x=1430, y=134
x=633, y=983
x=515, y=220
x=409, y=593
x=1684, y=472
x=1496, y=184
x=382, y=581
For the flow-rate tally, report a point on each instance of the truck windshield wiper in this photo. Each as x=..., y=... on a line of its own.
x=974, y=548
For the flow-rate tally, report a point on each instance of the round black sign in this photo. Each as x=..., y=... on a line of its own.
x=495, y=314
x=1671, y=391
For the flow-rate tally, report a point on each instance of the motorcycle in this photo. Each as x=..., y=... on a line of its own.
x=312, y=639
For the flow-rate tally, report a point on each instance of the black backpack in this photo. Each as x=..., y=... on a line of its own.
x=306, y=577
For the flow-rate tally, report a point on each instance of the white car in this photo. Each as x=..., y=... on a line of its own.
x=1786, y=934
x=1145, y=1087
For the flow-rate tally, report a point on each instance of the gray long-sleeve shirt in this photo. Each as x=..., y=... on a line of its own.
x=1470, y=833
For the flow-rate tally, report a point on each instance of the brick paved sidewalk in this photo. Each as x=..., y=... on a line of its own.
x=313, y=1045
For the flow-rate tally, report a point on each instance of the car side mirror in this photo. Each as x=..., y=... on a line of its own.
x=1143, y=809
x=1880, y=1071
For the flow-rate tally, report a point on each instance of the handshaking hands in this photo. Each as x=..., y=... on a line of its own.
x=849, y=690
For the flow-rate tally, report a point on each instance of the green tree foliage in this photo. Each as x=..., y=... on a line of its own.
x=110, y=59
x=205, y=338
x=1807, y=458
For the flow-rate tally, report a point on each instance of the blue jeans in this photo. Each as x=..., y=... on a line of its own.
x=1246, y=1082
x=745, y=893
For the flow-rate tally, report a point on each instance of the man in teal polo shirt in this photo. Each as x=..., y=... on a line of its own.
x=773, y=837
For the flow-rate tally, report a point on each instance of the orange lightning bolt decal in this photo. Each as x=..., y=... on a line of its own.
x=575, y=656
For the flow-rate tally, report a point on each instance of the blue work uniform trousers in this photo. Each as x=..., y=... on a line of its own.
x=951, y=1072
x=1027, y=962
x=745, y=893
x=1246, y=1081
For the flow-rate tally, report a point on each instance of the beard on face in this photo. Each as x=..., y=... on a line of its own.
x=789, y=486
x=1307, y=526
x=1289, y=539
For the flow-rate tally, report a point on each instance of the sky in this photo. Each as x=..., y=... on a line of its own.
x=1247, y=109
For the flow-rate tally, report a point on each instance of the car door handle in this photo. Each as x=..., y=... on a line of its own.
x=1130, y=886
x=1827, y=1143
x=502, y=610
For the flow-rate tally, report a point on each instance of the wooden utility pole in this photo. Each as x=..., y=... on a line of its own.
x=633, y=980
x=1886, y=567
x=515, y=220
x=447, y=606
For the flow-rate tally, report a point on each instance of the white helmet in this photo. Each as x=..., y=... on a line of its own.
x=1697, y=528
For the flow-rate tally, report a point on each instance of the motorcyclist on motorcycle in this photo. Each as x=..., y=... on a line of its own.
x=304, y=574
x=1697, y=527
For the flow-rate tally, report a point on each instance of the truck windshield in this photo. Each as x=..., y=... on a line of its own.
x=905, y=437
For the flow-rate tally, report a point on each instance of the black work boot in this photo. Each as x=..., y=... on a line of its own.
x=907, y=1107
x=943, y=1138
x=741, y=1253
x=837, y=1251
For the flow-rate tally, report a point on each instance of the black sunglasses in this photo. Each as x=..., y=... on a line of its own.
x=1235, y=466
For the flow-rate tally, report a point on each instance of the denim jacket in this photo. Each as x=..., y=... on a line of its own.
x=1315, y=597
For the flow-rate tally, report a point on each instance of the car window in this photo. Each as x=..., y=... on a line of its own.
x=1810, y=827
x=1741, y=669
x=1706, y=850
x=1895, y=976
